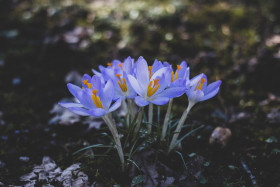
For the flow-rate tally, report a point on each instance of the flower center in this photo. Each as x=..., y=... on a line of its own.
x=87, y=84
x=200, y=84
x=109, y=64
x=122, y=83
x=176, y=75
x=152, y=88
x=96, y=99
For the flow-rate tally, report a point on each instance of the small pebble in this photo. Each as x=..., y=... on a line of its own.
x=220, y=136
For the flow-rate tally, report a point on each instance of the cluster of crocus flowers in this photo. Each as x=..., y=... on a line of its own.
x=138, y=83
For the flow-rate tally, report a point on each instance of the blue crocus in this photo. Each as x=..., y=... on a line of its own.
x=118, y=74
x=95, y=98
x=200, y=91
x=152, y=86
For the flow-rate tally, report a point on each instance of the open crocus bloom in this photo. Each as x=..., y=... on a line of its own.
x=152, y=86
x=118, y=75
x=199, y=91
x=94, y=98
x=180, y=77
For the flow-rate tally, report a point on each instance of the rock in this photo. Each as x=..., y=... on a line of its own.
x=274, y=116
x=80, y=179
x=28, y=177
x=220, y=136
x=62, y=115
x=24, y=158
x=48, y=171
x=48, y=164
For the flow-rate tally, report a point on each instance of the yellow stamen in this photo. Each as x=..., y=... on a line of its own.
x=109, y=64
x=150, y=70
x=121, y=65
x=152, y=89
x=172, y=76
x=87, y=84
x=176, y=75
x=200, y=84
x=96, y=99
x=178, y=68
x=122, y=83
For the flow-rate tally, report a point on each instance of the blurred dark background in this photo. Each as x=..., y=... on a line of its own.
x=45, y=43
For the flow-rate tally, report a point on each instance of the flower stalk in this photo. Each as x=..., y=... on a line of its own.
x=112, y=127
x=150, y=119
x=166, y=119
x=139, y=120
x=179, y=128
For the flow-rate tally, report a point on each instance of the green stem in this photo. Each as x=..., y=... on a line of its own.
x=150, y=120
x=116, y=137
x=179, y=128
x=138, y=125
x=131, y=108
x=166, y=119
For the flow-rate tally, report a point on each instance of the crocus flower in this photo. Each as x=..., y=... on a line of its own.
x=94, y=98
x=152, y=86
x=199, y=91
x=118, y=74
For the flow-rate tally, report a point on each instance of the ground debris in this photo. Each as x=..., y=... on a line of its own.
x=50, y=172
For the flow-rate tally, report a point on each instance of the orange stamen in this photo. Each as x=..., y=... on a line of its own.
x=96, y=100
x=109, y=64
x=87, y=84
x=122, y=83
x=121, y=65
x=150, y=70
x=152, y=89
x=178, y=68
x=200, y=84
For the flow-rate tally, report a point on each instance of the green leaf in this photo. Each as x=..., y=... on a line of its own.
x=182, y=159
x=275, y=151
x=271, y=139
x=137, y=180
x=231, y=167
x=192, y=154
x=206, y=164
x=202, y=180
x=186, y=135
x=91, y=146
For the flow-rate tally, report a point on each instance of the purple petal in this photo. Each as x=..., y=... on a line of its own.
x=107, y=95
x=195, y=79
x=96, y=73
x=195, y=96
x=68, y=105
x=213, y=86
x=74, y=90
x=160, y=100
x=172, y=92
x=116, y=105
x=134, y=84
x=210, y=94
x=157, y=65
x=160, y=72
x=96, y=82
x=142, y=73
x=127, y=65
x=97, y=112
x=140, y=101
x=79, y=111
